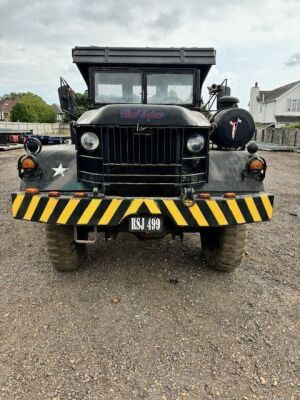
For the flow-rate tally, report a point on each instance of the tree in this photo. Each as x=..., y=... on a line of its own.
x=32, y=108
x=82, y=99
x=82, y=102
x=24, y=113
x=12, y=96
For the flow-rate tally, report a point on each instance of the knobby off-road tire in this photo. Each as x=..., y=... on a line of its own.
x=64, y=254
x=224, y=248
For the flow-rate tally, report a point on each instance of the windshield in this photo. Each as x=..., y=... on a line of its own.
x=170, y=88
x=118, y=87
x=126, y=87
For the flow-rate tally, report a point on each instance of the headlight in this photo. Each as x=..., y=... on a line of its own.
x=195, y=143
x=89, y=141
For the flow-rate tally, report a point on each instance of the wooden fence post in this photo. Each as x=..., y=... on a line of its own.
x=282, y=136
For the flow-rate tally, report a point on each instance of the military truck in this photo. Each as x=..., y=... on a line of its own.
x=146, y=159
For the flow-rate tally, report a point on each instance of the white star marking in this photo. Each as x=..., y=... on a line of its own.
x=59, y=170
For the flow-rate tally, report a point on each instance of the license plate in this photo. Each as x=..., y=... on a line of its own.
x=145, y=224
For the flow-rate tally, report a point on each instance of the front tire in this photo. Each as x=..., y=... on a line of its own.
x=224, y=248
x=64, y=254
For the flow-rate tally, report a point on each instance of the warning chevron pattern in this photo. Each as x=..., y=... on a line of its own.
x=213, y=212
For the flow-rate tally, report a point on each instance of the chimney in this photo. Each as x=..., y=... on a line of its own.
x=254, y=104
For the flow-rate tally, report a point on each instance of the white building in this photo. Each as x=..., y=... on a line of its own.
x=58, y=112
x=280, y=106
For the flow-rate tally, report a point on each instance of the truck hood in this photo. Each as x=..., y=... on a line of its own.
x=154, y=115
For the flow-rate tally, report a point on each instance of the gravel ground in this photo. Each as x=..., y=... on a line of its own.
x=150, y=320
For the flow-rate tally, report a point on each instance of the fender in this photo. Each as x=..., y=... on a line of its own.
x=58, y=170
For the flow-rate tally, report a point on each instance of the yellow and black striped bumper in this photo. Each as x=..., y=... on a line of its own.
x=213, y=212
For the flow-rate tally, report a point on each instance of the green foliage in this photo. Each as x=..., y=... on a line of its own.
x=82, y=101
x=32, y=108
x=294, y=126
x=23, y=112
x=12, y=96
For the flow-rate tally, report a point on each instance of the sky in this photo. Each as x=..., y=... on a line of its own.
x=256, y=41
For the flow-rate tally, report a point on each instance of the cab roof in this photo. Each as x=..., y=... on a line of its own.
x=168, y=57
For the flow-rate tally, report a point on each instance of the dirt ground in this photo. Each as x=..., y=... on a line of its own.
x=208, y=336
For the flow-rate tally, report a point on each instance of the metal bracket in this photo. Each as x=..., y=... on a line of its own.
x=82, y=241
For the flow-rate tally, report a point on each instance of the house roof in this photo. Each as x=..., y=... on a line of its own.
x=6, y=105
x=270, y=95
x=57, y=109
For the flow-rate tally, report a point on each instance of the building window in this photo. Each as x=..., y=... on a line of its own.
x=293, y=104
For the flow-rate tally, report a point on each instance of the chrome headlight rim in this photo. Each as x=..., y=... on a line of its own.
x=94, y=141
x=195, y=143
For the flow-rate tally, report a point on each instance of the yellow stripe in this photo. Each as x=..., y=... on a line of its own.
x=67, y=212
x=48, y=210
x=32, y=207
x=252, y=208
x=152, y=206
x=109, y=213
x=134, y=207
x=235, y=209
x=198, y=215
x=217, y=212
x=176, y=214
x=17, y=204
x=89, y=212
x=268, y=206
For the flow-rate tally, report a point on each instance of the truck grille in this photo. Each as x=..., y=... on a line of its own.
x=130, y=161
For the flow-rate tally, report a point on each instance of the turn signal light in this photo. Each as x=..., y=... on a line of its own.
x=256, y=165
x=28, y=163
x=32, y=191
x=229, y=195
x=53, y=194
x=79, y=195
x=204, y=196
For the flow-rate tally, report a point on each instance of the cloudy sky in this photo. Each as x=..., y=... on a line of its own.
x=255, y=40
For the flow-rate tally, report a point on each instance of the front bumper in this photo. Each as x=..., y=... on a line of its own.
x=112, y=211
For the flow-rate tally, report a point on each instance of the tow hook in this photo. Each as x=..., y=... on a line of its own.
x=188, y=199
x=87, y=240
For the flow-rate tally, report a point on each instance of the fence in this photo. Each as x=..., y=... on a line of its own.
x=56, y=129
x=282, y=136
